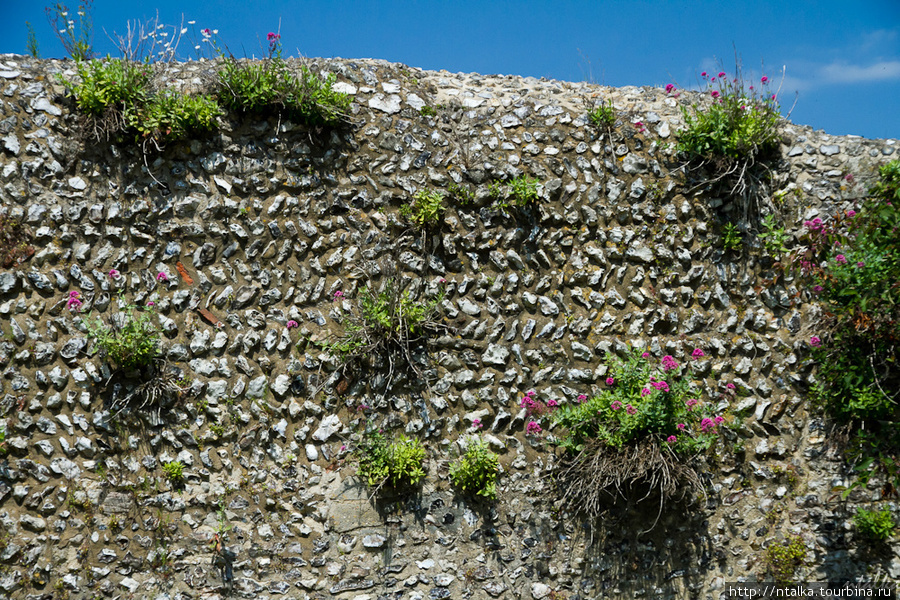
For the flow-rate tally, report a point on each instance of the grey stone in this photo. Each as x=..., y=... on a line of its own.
x=327, y=428
x=496, y=355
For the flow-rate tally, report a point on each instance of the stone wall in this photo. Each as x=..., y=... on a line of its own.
x=264, y=221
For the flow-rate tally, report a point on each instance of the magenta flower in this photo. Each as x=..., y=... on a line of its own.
x=680, y=426
x=645, y=355
x=671, y=439
x=691, y=403
x=273, y=37
x=552, y=403
x=533, y=428
x=719, y=420
x=337, y=296
x=114, y=275
x=74, y=303
x=669, y=363
x=610, y=381
x=730, y=386
x=645, y=392
x=840, y=259
x=669, y=88
x=721, y=74
x=531, y=393
x=715, y=93
x=476, y=423
x=582, y=397
x=707, y=424
x=697, y=353
x=860, y=264
x=815, y=341
x=616, y=405
x=703, y=74
x=764, y=80
x=151, y=303
x=161, y=276
x=74, y=294
x=661, y=386
x=851, y=213
x=817, y=288
x=291, y=324
x=630, y=410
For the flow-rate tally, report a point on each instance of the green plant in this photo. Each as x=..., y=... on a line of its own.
x=132, y=341
x=110, y=84
x=733, y=133
x=731, y=238
x=270, y=86
x=3, y=449
x=602, y=115
x=32, y=43
x=524, y=190
x=174, y=471
x=782, y=559
x=170, y=116
x=496, y=190
x=15, y=242
x=642, y=430
x=428, y=111
x=76, y=35
x=877, y=526
x=426, y=209
x=773, y=237
x=476, y=470
x=396, y=464
x=460, y=193
x=385, y=328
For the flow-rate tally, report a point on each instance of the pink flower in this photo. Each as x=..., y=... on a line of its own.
x=582, y=398
x=691, y=403
x=661, y=386
x=337, y=296
x=645, y=392
x=703, y=74
x=161, y=276
x=639, y=125
x=531, y=393
x=616, y=405
x=817, y=288
x=476, y=423
x=74, y=294
x=630, y=409
x=840, y=259
x=697, y=353
x=610, y=381
x=707, y=424
x=151, y=303
x=533, y=428
x=671, y=439
x=669, y=88
x=730, y=386
x=291, y=324
x=74, y=304
x=764, y=80
x=715, y=93
x=273, y=37
x=721, y=74
x=552, y=403
x=680, y=426
x=114, y=274
x=815, y=341
x=669, y=363
x=860, y=264
x=851, y=213
x=719, y=420
x=645, y=355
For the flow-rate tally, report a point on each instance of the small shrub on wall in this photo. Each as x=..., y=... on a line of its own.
x=641, y=431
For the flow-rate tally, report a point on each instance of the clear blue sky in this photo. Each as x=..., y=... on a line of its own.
x=843, y=58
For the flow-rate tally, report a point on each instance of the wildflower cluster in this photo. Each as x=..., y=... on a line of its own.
x=535, y=410
x=642, y=399
x=851, y=262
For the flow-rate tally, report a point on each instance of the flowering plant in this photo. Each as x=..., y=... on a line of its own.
x=733, y=132
x=647, y=399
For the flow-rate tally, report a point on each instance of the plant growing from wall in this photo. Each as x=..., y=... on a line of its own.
x=521, y=192
x=875, y=525
x=130, y=340
x=732, y=135
x=782, y=559
x=601, y=115
x=851, y=262
x=271, y=86
x=75, y=31
x=774, y=237
x=387, y=329
x=475, y=472
x=425, y=210
x=396, y=464
x=15, y=242
x=644, y=429
x=174, y=472
x=732, y=240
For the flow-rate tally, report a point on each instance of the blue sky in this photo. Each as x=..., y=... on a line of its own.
x=843, y=58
